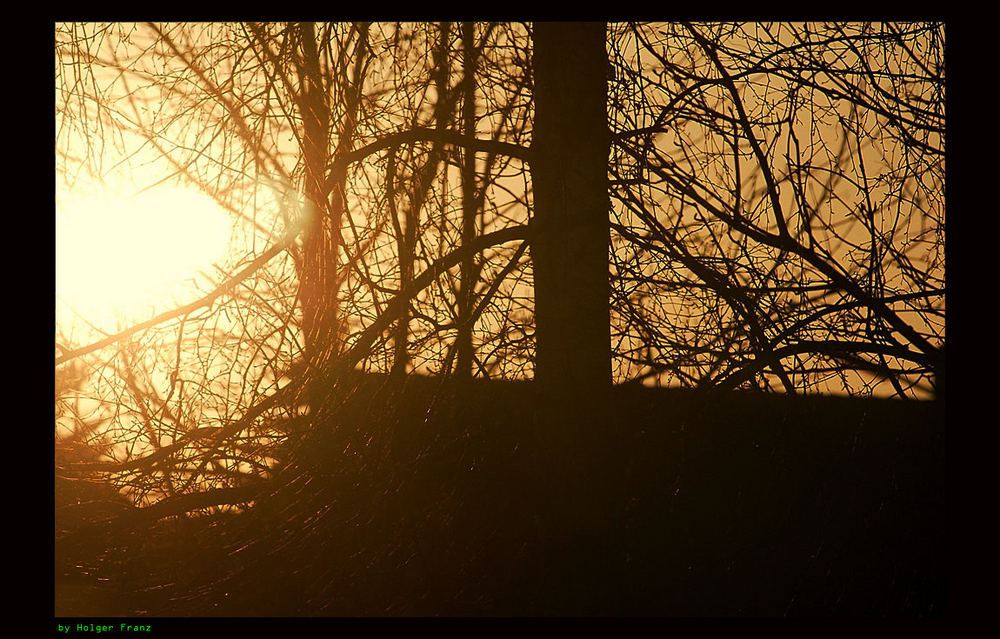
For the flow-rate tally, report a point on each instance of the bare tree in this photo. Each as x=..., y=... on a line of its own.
x=313, y=134
x=779, y=212
x=736, y=206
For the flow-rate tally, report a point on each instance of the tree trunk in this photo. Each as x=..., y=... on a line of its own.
x=469, y=209
x=572, y=232
x=572, y=310
x=320, y=264
x=419, y=185
x=319, y=278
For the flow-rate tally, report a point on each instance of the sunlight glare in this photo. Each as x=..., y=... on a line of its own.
x=122, y=258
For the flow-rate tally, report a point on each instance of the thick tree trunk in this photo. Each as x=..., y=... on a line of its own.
x=319, y=277
x=572, y=207
x=572, y=317
x=320, y=264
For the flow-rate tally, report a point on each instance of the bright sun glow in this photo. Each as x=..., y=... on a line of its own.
x=123, y=258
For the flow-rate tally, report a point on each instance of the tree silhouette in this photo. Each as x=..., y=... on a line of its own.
x=783, y=184
x=712, y=206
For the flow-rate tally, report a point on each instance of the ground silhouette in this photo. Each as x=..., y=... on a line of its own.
x=697, y=503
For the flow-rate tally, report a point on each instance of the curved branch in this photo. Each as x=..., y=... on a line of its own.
x=765, y=167
x=213, y=438
x=207, y=300
x=786, y=243
x=824, y=347
x=422, y=134
x=397, y=304
x=345, y=364
x=180, y=504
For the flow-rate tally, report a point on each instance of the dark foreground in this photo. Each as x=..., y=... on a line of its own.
x=694, y=504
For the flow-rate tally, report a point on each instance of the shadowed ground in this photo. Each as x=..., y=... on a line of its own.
x=697, y=504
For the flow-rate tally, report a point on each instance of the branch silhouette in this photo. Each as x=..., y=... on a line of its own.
x=206, y=300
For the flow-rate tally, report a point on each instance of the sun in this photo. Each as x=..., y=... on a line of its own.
x=123, y=258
